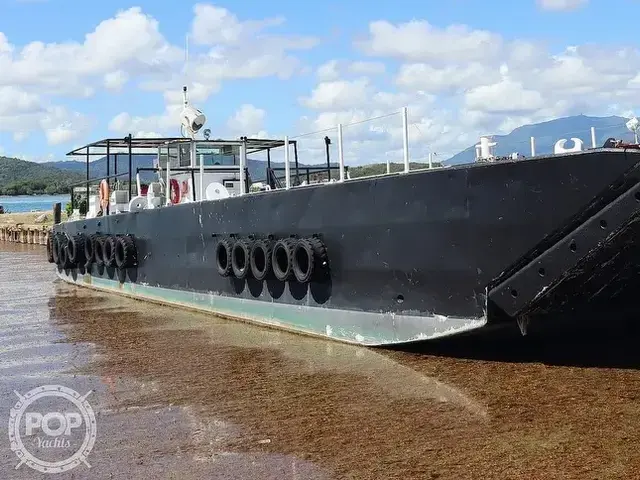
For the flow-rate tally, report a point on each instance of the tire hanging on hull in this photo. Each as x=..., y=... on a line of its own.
x=109, y=251
x=260, y=259
x=309, y=259
x=223, y=257
x=75, y=249
x=98, y=251
x=282, y=259
x=125, y=252
x=240, y=258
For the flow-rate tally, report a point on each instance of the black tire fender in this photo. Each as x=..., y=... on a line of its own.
x=223, y=257
x=98, y=250
x=90, y=249
x=241, y=258
x=309, y=259
x=109, y=251
x=126, y=253
x=75, y=249
x=282, y=259
x=260, y=259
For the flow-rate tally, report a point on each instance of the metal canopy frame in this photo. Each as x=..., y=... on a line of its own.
x=254, y=145
x=128, y=143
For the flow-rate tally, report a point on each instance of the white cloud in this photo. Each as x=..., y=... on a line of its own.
x=248, y=121
x=459, y=83
x=235, y=49
x=561, y=5
x=215, y=25
x=129, y=42
x=419, y=41
x=61, y=126
x=423, y=76
x=340, y=93
x=115, y=80
x=15, y=101
x=367, y=68
x=328, y=71
x=506, y=96
x=20, y=136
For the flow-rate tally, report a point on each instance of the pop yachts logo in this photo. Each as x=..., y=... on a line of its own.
x=52, y=434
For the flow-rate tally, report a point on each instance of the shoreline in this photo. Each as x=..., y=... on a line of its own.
x=28, y=219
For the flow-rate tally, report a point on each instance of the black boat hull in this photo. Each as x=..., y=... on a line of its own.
x=412, y=257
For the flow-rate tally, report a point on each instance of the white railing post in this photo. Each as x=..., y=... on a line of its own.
x=340, y=152
x=533, y=146
x=243, y=164
x=430, y=161
x=593, y=137
x=388, y=166
x=287, y=167
x=192, y=160
x=168, y=186
x=405, y=138
x=202, y=177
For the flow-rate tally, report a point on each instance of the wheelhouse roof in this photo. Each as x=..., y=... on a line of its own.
x=253, y=144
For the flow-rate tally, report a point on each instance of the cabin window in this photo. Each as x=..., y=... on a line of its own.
x=227, y=155
x=185, y=156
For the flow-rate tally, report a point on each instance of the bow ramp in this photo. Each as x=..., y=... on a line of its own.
x=594, y=257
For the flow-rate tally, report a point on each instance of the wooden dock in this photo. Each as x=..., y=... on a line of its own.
x=27, y=227
x=19, y=233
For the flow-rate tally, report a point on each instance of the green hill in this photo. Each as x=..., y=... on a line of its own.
x=19, y=177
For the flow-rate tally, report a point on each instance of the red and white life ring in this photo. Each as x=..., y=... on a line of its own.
x=174, y=190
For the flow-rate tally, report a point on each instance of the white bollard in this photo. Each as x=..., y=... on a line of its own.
x=533, y=146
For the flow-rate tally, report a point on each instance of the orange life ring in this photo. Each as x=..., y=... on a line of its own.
x=174, y=189
x=104, y=194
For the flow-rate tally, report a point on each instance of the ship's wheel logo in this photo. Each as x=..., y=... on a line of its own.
x=55, y=423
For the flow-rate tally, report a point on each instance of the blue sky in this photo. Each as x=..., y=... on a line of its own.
x=276, y=77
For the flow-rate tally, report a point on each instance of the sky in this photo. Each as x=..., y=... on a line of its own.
x=74, y=72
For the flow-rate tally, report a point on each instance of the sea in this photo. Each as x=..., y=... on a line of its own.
x=28, y=203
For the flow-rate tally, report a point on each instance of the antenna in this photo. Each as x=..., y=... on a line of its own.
x=186, y=71
x=186, y=57
x=192, y=119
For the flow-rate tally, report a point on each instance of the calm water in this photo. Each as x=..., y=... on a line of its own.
x=190, y=396
x=26, y=203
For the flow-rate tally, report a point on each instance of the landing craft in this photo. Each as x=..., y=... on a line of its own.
x=383, y=260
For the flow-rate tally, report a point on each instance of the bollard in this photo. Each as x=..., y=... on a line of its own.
x=57, y=213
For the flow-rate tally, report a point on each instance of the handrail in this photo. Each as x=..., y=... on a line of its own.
x=220, y=168
x=84, y=182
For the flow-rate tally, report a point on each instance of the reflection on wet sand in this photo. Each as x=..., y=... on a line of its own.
x=184, y=395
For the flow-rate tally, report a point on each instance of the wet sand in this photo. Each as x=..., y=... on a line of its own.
x=184, y=395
